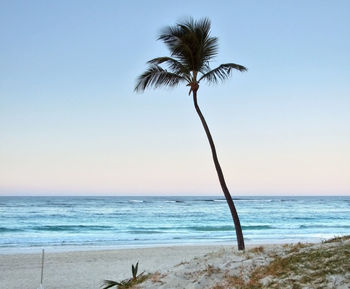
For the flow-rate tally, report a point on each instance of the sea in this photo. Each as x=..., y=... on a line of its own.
x=74, y=223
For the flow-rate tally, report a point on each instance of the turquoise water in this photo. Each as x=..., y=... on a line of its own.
x=30, y=222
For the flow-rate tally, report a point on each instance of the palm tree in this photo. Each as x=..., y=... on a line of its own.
x=192, y=48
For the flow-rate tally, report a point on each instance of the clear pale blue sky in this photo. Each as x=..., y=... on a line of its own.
x=70, y=122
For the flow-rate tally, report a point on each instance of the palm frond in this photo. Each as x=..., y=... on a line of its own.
x=221, y=72
x=156, y=76
x=190, y=42
x=173, y=38
x=208, y=45
x=174, y=65
x=109, y=283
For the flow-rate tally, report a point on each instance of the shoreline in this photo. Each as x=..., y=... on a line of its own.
x=89, y=248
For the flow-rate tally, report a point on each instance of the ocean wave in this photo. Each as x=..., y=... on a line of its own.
x=57, y=204
x=69, y=228
x=210, y=228
x=33, y=215
x=196, y=228
x=6, y=230
x=229, y=228
x=324, y=226
x=145, y=232
x=305, y=218
x=258, y=227
x=253, y=200
x=237, y=200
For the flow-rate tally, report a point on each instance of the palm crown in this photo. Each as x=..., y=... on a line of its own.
x=191, y=48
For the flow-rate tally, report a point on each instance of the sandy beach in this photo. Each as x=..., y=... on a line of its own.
x=214, y=267
x=87, y=269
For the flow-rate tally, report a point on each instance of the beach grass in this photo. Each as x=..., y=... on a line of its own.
x=325, y=265
x=127, y=283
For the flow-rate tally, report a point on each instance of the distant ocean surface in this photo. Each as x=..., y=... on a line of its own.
x=101, y=222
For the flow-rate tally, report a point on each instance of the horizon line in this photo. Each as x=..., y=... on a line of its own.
x=140, y=196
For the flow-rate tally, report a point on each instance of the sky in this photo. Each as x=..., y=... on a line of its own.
x=71, y=124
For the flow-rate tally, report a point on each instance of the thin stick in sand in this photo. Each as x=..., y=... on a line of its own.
x=42, y=269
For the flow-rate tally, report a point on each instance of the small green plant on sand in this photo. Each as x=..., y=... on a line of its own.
x=128, y=283
x=134, y=270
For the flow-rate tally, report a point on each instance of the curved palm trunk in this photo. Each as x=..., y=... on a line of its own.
x=239, y=234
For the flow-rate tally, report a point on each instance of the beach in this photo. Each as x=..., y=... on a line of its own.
x=87, y=269
x=188, y=145
x=321, y=265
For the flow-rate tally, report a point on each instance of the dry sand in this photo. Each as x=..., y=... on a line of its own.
x=190, y=267
x=87, y=269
